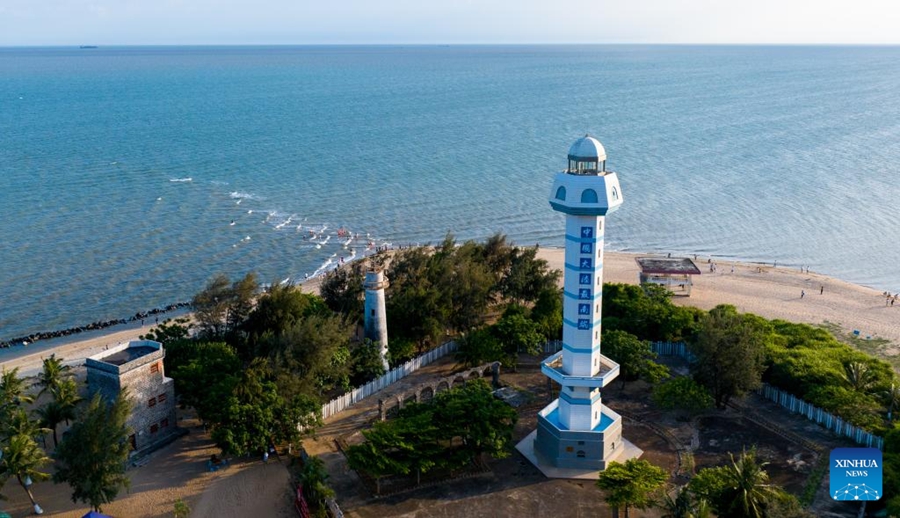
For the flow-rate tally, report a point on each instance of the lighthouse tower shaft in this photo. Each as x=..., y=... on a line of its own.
x=577, y=431
x=376, y=313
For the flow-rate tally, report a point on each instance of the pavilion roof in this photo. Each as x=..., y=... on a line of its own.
x=667, y=266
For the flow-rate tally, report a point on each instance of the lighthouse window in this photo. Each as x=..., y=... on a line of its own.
x=589, y=196
x=561, y=194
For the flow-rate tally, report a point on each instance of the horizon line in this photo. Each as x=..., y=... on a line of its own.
x=467, y=44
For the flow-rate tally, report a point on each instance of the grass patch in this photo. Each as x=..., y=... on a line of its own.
x=877, y=347
x=814, y=480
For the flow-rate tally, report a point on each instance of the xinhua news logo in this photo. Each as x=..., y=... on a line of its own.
x=855, y=474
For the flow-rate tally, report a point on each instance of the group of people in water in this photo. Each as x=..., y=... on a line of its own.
x=46, y=335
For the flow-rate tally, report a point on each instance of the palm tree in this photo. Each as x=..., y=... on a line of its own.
x=748, y=487
x=53, y=374
x=859, y=376
x=66, y=396
x=22, y=458
x=50, y=416
x=684, y=506
x=12, y=390
x=19, y=423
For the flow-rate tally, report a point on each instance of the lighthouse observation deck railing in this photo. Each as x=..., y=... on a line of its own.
x=552, y=367
x=788, y=401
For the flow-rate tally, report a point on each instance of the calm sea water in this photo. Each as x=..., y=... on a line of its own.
x=122, y=169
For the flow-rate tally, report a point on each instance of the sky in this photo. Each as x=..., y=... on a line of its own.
x=234, y=22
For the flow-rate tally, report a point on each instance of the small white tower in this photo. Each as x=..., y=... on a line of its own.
x=576, y=434
x=376, y=314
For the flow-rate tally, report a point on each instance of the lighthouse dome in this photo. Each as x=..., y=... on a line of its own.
x=587, y=156
x=587, y=149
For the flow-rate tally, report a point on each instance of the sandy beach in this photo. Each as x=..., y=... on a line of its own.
x=771, y=292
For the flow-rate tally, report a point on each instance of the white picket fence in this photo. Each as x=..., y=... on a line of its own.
x=340, y=403
x=823, y=418
x=789, y=401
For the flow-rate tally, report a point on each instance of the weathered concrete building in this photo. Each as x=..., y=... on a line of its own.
x=137, y=366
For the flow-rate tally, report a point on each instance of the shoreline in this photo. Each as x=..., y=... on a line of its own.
x=768, y=291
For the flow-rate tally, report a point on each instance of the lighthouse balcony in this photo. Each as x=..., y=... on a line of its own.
x=553, y=369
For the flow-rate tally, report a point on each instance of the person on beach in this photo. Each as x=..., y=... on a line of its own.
x=821, y=289
x=802, y=294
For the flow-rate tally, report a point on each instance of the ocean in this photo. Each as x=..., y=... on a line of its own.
x=129, y=176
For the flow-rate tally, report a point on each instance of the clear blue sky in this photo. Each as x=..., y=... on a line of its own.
x=172, y=22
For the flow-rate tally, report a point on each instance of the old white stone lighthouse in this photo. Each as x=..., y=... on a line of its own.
x=576, y=434
x=375, y=328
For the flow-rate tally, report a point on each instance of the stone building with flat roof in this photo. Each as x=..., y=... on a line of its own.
x=137, y=366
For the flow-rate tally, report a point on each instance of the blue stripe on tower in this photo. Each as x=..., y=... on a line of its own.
x=582, y=351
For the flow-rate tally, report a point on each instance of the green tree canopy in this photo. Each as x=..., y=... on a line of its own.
x=741, y=489
x=729, y=353
x=366, y=362
x=53, y=373
x=682, y=394
x=634, y=356
x=93, y=454
x=631, y=484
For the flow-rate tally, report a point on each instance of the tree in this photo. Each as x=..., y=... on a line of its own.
x=858, y=377
x=457, y=427
x=377, y=455
x=366, y=363
x=92, y=456
x=739, y=489
x=67, y=397
x=53, y=373
x=342, y=290
x=50, y=415
x=312, y=356
x=685, y=506
x=479, y=346
x=22, y=458
x=517, y=334
x=747, y=486
x=528, y=276
x=547, y=313
x=471, y=412
x=255, y=415
x=12, y=391
x=211, y=304
x=276, y=312
x=682, y=394
x=634, y=356
x=631, y=484
x=729, y=353
x=208, y=377
x=313, y=478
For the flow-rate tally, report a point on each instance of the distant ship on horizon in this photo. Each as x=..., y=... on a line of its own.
x=88, y=47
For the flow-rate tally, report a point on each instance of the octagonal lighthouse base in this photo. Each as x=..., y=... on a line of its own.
x=576, y=454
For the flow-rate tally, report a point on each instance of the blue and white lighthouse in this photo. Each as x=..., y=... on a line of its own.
x=577, y=433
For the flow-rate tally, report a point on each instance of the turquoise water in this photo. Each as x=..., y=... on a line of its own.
x=122, y=169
